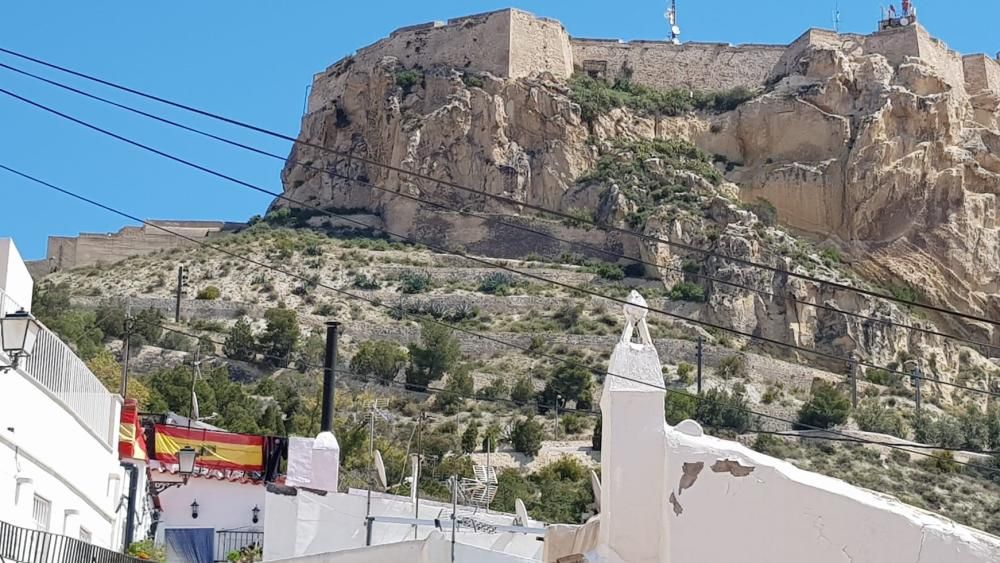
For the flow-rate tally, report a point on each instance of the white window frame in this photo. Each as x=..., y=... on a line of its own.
x=41, y=508
x=86, y=536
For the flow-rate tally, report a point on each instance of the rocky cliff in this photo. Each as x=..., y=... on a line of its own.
x=886, y=159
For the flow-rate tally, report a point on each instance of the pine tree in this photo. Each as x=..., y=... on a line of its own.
x=240, y=345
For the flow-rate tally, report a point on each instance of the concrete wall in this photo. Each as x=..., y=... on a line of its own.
x=660, y=64
x=51, y=454
x=15, y=280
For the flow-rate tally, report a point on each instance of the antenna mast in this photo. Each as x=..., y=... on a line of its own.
x=836, y=17
x=675, y=31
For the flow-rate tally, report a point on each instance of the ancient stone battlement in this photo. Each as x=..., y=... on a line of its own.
x=89, y=249
x=515, y=44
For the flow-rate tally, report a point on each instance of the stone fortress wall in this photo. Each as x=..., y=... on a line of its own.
x=89, y=249
x=515, y=44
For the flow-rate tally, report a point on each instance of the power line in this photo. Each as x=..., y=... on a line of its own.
x=838, y=437
x=513, y=224
x=504, y=199
x=452, y=327
x=282, y=196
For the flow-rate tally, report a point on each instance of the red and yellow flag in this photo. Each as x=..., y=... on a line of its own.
x=131, y=441
x=216, y=450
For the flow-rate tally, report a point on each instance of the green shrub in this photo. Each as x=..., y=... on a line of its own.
x=473, y=80
x=380, y=359
x=572, y=383
x=687, y=291
x=724, y=410
x=873, y=415
x=523, y=391
x=679, y=407
x=437, y=353
x=568, y=315
x=685, y=372
x=407, y=79
x=573, y=424
x=361, y=281
x=765, y=211
x=209, y=293
x=414, y=282
x=526, y=436
x=497, y=283
x=470, y=438
x=734, y=366
x=457, y=388
x=826, y=408
x=281, y=336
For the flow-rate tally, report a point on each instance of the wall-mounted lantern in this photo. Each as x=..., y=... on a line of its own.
x=194, y=509
x=185, y=461
x=18, y=333
x=256, y=514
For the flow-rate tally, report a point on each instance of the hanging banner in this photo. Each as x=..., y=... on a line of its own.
x=216, y=450
x=131, y=439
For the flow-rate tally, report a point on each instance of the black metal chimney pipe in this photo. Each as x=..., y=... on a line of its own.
x=329, y=376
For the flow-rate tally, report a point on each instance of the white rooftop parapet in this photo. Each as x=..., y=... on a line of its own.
x=634, y=448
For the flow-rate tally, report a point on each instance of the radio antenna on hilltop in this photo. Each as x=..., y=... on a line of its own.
x=675, y=30
x=836, y=17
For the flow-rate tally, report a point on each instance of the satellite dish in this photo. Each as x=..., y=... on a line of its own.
x=521, y=511
x=595, y=485
x=904, y=21
x=380, y=470
x=675, y=29
x=414, y=476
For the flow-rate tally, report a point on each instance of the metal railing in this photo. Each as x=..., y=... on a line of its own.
x=228, y=541
x=54, y=365
x=21, y=545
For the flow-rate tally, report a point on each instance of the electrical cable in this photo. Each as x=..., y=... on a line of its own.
x=456, y=328
x=513, y=224
x=248, y=185
x=507, y=200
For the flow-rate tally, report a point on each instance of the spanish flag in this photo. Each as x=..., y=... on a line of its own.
x=216, y=450
x=131, y=442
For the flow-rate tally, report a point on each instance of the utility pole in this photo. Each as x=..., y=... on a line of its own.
x=917, y=378
x=454, y=515
x=329, y=376
x=182, y=281
x=853, y=375
x=416, y=485
x=126, y=347
x=558, y=400
x=701, y=359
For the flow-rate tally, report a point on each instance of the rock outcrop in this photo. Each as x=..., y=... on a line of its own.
x=889, y=158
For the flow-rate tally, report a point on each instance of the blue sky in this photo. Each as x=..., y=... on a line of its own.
x=252, y=60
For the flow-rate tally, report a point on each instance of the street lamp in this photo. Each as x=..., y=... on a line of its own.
x=186, y=458
x=18, y=333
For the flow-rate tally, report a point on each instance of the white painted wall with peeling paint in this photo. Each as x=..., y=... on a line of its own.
x=721, y=501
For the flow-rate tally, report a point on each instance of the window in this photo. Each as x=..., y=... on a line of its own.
x=41, y=513
x=86, y=536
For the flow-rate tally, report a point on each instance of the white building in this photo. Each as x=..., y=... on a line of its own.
x=225, y=513
x=59, y=465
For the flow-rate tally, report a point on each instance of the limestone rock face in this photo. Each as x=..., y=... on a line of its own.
x=893, y=162
x=898, y=161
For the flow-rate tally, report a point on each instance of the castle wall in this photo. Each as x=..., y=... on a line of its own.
x=89, y=249
x=947, y=62
x=538, y=45
x=476, y=42
x=894, y=44
x=981, y=73
x=659, y=64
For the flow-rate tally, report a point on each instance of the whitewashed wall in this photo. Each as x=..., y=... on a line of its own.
x=14, y=278
x=51, y=454
x=222, y=505
x=766, y=509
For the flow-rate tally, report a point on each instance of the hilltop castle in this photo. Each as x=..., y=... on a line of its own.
x=515, y=44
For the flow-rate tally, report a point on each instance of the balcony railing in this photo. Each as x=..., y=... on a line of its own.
x=54, y=365
x=21, y=545
x=228, y=541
